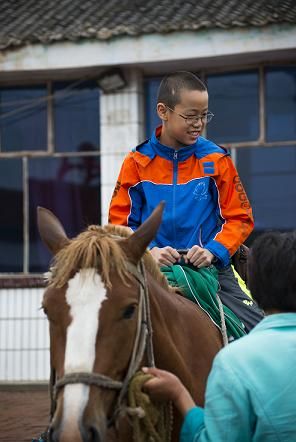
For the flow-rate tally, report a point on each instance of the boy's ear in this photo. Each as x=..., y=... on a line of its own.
x=162, y=111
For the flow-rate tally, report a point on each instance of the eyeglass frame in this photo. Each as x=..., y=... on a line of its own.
x=194, y=119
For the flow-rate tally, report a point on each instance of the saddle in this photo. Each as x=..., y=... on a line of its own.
x=240, y=262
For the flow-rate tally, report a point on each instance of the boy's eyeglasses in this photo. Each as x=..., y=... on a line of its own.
x=206, y=118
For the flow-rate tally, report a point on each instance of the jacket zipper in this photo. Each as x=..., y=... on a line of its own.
x=175, y=172
x=200, y=240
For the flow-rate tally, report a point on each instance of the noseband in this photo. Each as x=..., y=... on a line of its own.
x=143, y=341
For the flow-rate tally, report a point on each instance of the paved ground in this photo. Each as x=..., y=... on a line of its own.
x=23, y=413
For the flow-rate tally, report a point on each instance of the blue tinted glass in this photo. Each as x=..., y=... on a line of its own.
x=234, y=99
x=70, y=187
x=280, y=103
x=152, y=119
x=23, y=118
x=76, y=117
x=11, y=216
x=269, y=176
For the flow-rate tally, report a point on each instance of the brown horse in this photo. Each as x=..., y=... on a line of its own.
x=105, y=296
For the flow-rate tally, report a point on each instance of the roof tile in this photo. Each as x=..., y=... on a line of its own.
x=25, y=22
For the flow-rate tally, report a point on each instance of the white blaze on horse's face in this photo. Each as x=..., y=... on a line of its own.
x=84, y=295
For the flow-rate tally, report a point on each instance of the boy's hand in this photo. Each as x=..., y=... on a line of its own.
x=199, y=257
x=167, y=386
x=165, y=256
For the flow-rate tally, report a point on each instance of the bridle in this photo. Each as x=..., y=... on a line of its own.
x=142, y=342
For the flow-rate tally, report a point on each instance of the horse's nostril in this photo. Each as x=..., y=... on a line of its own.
x=93, y=435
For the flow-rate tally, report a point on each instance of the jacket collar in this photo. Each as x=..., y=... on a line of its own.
x=167, y=152
x=147, y=150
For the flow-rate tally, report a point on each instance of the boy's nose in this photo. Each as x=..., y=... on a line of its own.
x=197, y=123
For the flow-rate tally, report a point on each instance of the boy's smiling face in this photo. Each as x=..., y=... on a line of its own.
x=176, y=131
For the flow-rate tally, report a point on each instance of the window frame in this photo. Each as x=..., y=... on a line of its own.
x=25, y=278
x=261, y=141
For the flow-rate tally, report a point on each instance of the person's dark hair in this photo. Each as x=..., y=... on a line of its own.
x=272, y=271
x=171, y=85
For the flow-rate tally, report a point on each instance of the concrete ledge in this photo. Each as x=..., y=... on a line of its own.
x=22, y=281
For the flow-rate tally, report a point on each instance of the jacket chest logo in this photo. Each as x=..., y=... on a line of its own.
x=200, y=191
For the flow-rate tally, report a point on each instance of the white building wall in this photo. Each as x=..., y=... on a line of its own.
x=24, y=336
x=150, y=48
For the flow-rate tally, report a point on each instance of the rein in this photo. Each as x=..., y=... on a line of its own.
x=143, y=341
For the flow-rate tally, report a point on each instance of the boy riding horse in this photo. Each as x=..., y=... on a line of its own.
x=207, y=211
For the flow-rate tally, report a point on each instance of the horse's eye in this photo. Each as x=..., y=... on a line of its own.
x=129, y=311
x=44, y=309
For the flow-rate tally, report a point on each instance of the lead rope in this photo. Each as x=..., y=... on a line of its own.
x=223, y=324
x=151, y=422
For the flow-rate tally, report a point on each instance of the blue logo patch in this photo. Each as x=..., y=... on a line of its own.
x=208, y=167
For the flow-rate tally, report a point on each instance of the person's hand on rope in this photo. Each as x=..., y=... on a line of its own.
x=199, y=257
x=165, y=256
x=167, y=386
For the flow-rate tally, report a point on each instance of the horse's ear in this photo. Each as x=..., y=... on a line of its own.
x=139, y=241
x=51, y=230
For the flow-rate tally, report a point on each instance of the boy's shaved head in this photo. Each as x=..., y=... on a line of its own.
x=171, y=85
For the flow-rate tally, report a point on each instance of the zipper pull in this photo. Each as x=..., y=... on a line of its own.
x=175, y=155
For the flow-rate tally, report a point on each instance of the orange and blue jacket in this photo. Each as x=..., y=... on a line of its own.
x=206, y=204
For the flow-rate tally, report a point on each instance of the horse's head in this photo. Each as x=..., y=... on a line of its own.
x=92, y=304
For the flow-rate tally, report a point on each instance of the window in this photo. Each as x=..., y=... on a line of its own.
x=11, y=215
x=75, y=109
x=152, y=119
x=269, y=176
x=255, y=116
x=23, y=123
x=280, y=103
x=70, y=188
x=49, y=156
x=234, y=96
x=269, y=172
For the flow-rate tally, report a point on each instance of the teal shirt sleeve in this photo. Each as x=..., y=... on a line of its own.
x=192, y=425
x=227, y=414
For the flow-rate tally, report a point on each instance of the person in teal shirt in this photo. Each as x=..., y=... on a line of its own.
x=251, y=390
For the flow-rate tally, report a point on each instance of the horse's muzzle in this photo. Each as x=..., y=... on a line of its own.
x=90, y=434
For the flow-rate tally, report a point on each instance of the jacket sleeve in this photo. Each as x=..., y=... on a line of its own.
x=126, y=202
x=235, y=212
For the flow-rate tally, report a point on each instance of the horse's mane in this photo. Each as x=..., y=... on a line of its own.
x=98, y=247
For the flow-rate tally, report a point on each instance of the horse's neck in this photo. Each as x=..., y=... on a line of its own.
x=167, y=315
x=184, y=338
x=171, y=310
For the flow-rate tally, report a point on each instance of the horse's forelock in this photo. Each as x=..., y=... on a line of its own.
x=93, y=248
x=98, y=247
